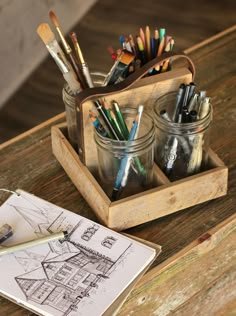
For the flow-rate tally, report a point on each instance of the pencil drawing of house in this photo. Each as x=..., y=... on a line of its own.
x=71, y=270
x=64, y=280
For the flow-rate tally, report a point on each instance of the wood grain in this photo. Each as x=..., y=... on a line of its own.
x=169, y=289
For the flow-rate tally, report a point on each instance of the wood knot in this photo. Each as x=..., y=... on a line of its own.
x=204, y=237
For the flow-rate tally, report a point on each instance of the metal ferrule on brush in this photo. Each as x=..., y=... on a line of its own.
x=87, y=75
x=64, y=42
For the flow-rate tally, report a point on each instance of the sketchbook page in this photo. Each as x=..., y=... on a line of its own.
x=116, y=306
x=83, y=275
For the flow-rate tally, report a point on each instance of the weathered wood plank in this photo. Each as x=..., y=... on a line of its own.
x=212, y=299
x=206, y=266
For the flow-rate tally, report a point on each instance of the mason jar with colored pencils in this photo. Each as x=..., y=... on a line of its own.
x=125, y=166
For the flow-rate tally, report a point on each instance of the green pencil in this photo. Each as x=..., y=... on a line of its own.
x=120, y=119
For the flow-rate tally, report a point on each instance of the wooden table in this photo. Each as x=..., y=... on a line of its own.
x=196, y=272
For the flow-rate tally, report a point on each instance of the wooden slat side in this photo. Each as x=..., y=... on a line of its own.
x=80, y=175
x=159, y=176
x=170, y=284
x=215, y=159
x=168, y=199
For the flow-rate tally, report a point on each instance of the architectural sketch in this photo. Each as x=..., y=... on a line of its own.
x=71, y=270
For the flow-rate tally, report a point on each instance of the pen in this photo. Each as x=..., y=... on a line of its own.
x=32, y=243
x=204, y=107
x=191, y=91
x=178, y=102
x=185, y=115
x=193, y=102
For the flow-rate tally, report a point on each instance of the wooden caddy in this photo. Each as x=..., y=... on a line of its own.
x=165, y=197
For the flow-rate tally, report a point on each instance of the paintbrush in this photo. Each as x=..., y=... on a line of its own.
x=84, y=65
x=48, y=37
x=119, y=67
x=67, y=48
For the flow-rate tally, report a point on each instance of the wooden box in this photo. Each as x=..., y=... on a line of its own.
x=165, y=197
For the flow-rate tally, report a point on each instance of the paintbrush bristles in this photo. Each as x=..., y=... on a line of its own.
x=45, y=33
x=55, y=22
x=53, y=18
x=126, y=57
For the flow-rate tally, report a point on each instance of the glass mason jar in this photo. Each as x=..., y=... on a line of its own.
x=181, y=148
x=69, y=100
x=126, y=167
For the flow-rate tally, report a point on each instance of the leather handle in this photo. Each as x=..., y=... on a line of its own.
x=97, y=92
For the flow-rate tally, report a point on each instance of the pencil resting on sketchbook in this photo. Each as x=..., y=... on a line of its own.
x=86, y=270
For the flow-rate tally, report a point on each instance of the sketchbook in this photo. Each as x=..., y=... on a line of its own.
x=91, y=272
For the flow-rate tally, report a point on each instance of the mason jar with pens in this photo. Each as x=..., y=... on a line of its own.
x=182, y=120
x=125, y=160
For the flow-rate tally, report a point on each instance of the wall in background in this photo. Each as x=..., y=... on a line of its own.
x=21, y=49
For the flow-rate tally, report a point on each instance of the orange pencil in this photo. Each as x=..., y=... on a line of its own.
x=161, y=47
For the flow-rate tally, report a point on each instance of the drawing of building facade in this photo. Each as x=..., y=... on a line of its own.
x=64, y=280
x=66, y=272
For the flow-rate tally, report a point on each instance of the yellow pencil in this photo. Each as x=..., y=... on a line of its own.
x=148, y=42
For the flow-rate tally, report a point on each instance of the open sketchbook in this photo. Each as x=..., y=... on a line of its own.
x=90, y=273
